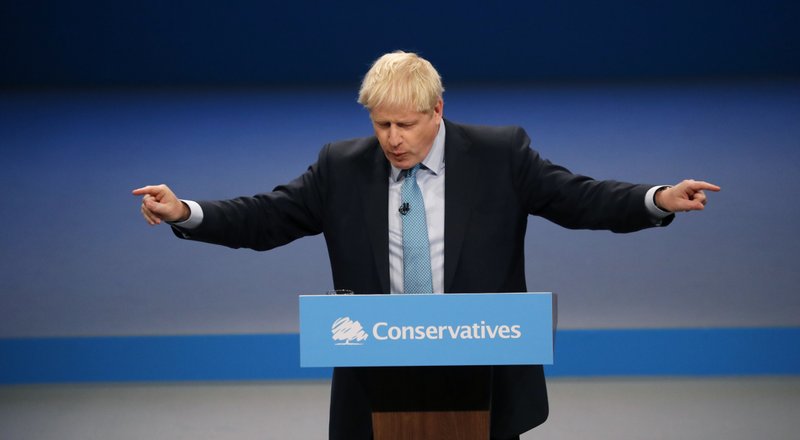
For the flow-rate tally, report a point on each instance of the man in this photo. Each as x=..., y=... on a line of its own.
x=464, y=191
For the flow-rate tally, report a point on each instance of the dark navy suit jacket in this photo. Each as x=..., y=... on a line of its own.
x=494, y=180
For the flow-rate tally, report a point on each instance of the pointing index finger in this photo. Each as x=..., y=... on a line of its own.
x=699, y=185
x=149, y=189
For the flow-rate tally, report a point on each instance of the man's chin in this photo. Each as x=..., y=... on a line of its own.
x=403, y=164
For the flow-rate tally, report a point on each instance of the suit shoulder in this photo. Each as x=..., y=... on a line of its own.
x=491, y=138
x=350, y=149
x=493, y=134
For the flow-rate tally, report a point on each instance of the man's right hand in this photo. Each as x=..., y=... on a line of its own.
x=160, y=204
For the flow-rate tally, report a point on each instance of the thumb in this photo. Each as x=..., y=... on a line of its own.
x=154, y=205
x=689, y=204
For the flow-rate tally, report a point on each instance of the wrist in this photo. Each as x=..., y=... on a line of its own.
x=657, y=196
x=193, y=215
x=186, y=212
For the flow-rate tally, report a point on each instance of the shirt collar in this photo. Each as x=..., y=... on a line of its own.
x=434, y=161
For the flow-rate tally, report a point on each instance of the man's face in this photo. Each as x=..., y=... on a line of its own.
x=406, y=136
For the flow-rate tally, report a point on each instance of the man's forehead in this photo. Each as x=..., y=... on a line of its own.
x=395, y=114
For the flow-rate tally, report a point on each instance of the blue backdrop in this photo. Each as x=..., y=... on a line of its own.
x=79, y=259
x=79, y=263
x=245, y=42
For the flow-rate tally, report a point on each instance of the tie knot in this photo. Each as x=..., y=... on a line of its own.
x=412, y=172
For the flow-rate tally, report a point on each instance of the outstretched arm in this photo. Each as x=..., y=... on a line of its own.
x=160, y=204
x=686, y=196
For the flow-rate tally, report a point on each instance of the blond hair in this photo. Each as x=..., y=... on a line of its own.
x=401, y=80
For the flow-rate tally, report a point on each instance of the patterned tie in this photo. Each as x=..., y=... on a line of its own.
x=417, y=277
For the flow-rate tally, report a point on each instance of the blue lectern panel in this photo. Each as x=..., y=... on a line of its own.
x=413, y=330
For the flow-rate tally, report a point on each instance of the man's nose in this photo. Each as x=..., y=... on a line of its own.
x=394, y=136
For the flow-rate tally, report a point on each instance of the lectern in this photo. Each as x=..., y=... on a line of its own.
x=427, y=358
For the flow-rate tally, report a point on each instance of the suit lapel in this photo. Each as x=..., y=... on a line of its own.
x=460, y=184
x=376, y=211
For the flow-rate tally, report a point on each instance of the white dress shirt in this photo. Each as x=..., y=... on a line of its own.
x=430, y=179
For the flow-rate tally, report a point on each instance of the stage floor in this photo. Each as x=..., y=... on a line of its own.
x=733, y=408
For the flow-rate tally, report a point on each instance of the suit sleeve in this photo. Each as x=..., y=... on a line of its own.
x=574, y=201
x=267, y=220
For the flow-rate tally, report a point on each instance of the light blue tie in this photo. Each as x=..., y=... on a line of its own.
x=417, y=277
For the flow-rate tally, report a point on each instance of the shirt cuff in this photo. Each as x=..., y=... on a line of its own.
x=195, y=216
x=656, y=213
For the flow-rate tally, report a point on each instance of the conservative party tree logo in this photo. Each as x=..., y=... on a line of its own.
x=348, y=332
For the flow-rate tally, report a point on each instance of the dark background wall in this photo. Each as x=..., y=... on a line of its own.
x=249, y=42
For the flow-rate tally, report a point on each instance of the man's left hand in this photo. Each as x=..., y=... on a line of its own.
x=686, y=196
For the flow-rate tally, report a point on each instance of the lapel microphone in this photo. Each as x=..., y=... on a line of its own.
x=404, y=208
